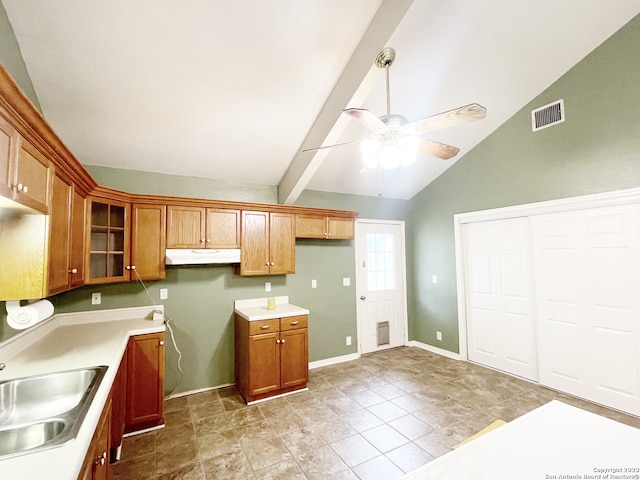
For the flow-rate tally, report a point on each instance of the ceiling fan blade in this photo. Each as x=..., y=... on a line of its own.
x=365, y=117
x=468, y=113
x=330, y=146
x=439, y=150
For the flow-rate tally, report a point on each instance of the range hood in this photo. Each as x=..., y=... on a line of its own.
x=185, y=256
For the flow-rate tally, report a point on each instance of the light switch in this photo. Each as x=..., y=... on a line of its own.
x=346, y=282
x=314, y=284
x=267, y=286
x=164, y=294
x=434, y=279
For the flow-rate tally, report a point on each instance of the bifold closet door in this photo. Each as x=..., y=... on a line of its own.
x=499, y=294
x=587, y=270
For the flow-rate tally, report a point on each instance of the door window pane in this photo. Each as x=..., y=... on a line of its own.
x=380, y=262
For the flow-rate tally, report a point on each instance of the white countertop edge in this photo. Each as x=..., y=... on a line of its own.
x=259, y=302
x=262, y=313
x=14, y=345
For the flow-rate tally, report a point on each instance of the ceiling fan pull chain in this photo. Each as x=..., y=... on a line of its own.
x=386, y=69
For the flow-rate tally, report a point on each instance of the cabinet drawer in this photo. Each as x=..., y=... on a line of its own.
x=264, y=326
x=293, y=323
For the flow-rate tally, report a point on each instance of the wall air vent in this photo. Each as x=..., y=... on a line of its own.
x=548, y=115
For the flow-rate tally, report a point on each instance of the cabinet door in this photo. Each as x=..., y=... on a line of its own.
x=223, y=228
x=264, y=363
x=32, y=178
x=147, y=242
x=186, y=227
x=255, y=243
x=77, y=240
x=145, y=381
x=310, y=226
x=294, y=363
x=282, y=251
x=118, y=407
x=8, y=142
x=340, y=228
x=108, y=241
x=96, y=462
x=59, y=236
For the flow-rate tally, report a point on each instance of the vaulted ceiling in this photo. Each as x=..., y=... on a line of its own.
x=237, y=90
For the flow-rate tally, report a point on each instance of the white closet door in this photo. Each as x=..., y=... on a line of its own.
x=499, y=293
x=587, y=266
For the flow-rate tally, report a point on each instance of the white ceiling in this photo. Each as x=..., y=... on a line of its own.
x=236, y=90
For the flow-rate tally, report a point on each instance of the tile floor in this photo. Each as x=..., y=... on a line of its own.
x=378, y=417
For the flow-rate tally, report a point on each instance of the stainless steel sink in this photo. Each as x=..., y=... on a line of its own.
x=45, y=411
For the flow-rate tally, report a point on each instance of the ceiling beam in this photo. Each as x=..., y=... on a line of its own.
x=328, y=124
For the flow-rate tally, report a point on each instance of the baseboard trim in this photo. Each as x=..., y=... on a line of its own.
x=333, y=360
x=439, y=351
x=199, y=390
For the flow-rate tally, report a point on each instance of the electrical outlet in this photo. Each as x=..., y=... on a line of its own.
x=346, y=282
x=164, y=294
x=439, y=336
x=434, y=279
x=314, y=283
x=96, y=299
x=348, y=341
x=267, y=286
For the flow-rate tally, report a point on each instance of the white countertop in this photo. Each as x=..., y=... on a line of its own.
x=65, y=342
x=555, y=440
x=256, y=308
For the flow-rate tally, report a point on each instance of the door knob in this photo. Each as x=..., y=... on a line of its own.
x=362, y=297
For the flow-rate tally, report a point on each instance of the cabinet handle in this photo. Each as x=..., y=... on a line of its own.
x=73, y=270
x=161, y=342
x=272, y=264
x=277, y=341
x=100, y=459
x=202, y=240
x=264, y=327
x=22, y=188
x=294, y=323
x=130, y=267
x=208, y=240
x=282, y=341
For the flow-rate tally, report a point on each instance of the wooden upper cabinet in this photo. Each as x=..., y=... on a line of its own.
x=199, y=227
x=108, y=240
x=8, y=152
x=25, y=173
x=32, y=178
x=268, y=243
x=147, y=242
x=318, y=226
x=223, y=228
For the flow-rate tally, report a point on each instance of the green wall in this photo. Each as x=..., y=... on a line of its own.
x=11, y=58
x=596, y=149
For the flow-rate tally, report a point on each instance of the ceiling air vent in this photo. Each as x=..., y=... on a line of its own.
x=548, y=115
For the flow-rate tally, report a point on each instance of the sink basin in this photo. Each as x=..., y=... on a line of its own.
x=27, y=437
x=45, y=411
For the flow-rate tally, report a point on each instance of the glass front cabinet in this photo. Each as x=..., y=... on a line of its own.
x=108, y=241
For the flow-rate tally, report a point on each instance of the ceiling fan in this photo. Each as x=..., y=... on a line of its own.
x=393, y=140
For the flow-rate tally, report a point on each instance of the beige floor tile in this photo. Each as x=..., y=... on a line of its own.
x=379, y=468
x=355, y=450
x=385, y=438
x=408, y=457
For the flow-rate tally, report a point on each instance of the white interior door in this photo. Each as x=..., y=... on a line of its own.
x=380, y=284
x=587, y=266
x=500, y=298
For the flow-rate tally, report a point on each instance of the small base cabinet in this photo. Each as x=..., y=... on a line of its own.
x=145, y=382
x=96, y=462
x=271, y=356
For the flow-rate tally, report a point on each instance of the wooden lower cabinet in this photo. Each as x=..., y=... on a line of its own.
x=145, y=382
x=118, y=408
x=271, y=356
x=96, y=462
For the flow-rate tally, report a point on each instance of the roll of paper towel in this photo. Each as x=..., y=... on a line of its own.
x=26, y=316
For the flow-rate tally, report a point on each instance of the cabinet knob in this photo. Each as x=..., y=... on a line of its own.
x=161, y=342
x=267, y=264
x=130, y=267
x=282, y=341
x=271, y=264
x=22, y=188
x=73, y=270
x=208, y=240
x=202, y=240
x=100, y=459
